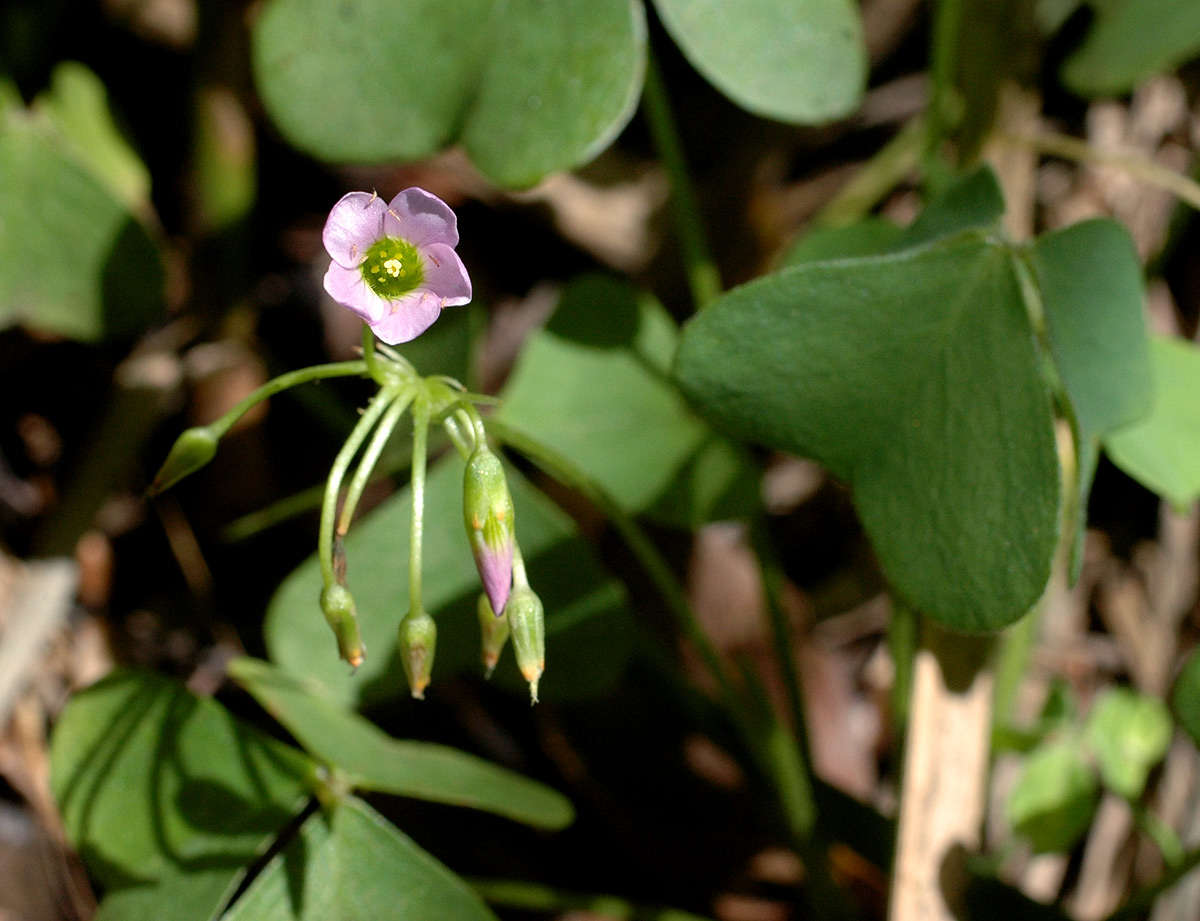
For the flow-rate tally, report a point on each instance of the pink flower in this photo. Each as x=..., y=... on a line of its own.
x=394, y=264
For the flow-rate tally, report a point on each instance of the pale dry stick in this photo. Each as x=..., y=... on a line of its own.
x=1137, y=165
x=945, y=766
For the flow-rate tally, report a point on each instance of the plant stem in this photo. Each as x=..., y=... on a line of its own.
x=283, y=382
x=1137, y=165
x=337, y=472
x=704, y=278
x=370, y=457
x=420, y=445
x=370, y=356
x=947, y=20
x=878, y=176
x=773, y=581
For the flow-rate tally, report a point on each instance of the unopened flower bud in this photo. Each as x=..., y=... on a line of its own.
x=488, y=514
x=191, y=451
x=527, y=623
x=493, y=634
x=338, y=606
x=418, y=637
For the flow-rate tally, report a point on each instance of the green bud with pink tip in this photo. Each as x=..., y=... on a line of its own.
x=488, y=515
x=418, y=637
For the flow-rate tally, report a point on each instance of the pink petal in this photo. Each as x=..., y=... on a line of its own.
x=407, y=318
x=347, y=287
x=495, y=572
x=355, y=222
x=444, y=275
x=421, y=218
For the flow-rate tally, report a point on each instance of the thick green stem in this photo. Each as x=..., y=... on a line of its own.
x=947, y=21
x=337, y=472
x=369, y=459
x=420, y=447
x=704, y=279
x=283, y=382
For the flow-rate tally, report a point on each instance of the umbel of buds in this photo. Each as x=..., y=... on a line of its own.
x=394, y=265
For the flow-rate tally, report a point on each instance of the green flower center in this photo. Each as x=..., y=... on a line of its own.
x=392, y=268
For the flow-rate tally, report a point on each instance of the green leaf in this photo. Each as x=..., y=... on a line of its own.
x=1185, y=698
x=154, y=783
x=1091, y=290
x=1130, y=41
x=587, y=624
x=795, y=60
x=353, y=865
x=76, y=261
x=872, y=236
x=77, y=105
x=1162, y=452
x=914, y=378
x=198, y=895
x=1129, y=734
x=527, y=87
x=1054, y=797
x=373, y=760
x=973, y=200
x=594, y=385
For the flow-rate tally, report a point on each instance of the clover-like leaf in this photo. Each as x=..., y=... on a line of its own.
x=1162, y=451
x=795, y=60
x=1132, y=40
x=165, y=793
x=1090, y=283
x=1129, y=734
x=594, y=385
x=913, y=377
x=77, y=261
x=353, y=865
x=527, y=87
x=1054, y=797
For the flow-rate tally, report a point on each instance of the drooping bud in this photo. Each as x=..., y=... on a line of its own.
x=418, y=637
x=493, y=634
x=527, y=623
x=194, y=448
x=338, y=606
x=488, y=515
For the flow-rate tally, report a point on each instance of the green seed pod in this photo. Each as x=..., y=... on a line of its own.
x=338, y=606
x=418, y=638
x=527, y=622
x=191, y=451
x=493, y=634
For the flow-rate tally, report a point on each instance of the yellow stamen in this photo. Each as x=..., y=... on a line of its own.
x=393, y=267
